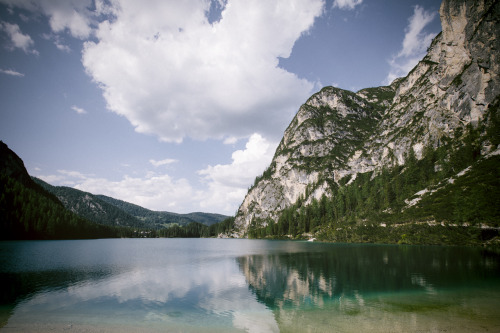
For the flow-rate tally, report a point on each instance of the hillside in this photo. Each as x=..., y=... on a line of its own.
x=105, y=210
x=33, y=209
x=161, y=218
x=91, y=207
x=28, y=211
x=413, y=162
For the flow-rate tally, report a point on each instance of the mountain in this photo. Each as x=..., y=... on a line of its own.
x=105, y=210
x=163, y=219
x=28, y=211
x=12, y=166
x=33, y=209
x=397, y=163
x=91, y=207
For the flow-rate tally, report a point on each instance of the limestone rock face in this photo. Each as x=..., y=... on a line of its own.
x=339, y=133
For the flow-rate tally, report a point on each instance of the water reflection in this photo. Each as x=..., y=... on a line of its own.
x=156, y=289
x=376, y=286
x=243, y=285
x=156, y=296
x=311, y=277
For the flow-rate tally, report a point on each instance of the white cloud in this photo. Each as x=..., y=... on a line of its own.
x=71, y=15
x=78, y=110
x=224, y=185
x=17, y=38
x=24, y=18
x=415, y=44
x=162, y=162
x=416, y=41
x=228, y=183
x=154, y=191
x=11, y=72
x=230, y=140
x=346, y=4
x=56, y=180
x=73, y=174
x=62, y=47
x=173, y=74
x=64, y=178
x=58, y=42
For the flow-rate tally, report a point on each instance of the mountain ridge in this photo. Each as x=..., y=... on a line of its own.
x=28, y=211
x=110, y=211
x=165, y=217
x=33, y=209
x=89, y=206
x=441, y=116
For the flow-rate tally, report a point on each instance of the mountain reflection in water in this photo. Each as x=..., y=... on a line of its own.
x=215, y=285
x=321, y=289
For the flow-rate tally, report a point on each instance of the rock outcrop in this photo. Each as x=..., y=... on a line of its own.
x=338, y=133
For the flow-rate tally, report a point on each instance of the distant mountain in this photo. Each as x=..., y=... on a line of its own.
x=91, y=207
x=206, y=218
x=28, y=211
x=105, y=210
x=160, y=218
x=33, y=209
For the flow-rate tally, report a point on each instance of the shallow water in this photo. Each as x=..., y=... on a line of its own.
x=224, y=285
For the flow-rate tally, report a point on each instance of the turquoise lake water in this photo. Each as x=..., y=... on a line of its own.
x=233, y=285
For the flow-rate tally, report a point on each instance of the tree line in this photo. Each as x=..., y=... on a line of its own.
x=28, y=211
x=356, y=208
x=197, y=230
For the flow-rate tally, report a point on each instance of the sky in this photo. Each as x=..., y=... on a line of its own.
x=178, y=105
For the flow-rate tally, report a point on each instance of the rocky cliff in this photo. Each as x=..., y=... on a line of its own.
x=337, y=134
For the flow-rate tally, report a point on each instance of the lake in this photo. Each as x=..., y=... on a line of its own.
x=238, y=285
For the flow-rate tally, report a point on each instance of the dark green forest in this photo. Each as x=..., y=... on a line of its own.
x=30, y=212
x=89, y=207
x=197, y=230
x=371, y=207
x=105, y=210
x=162, y=219
x=374, y=207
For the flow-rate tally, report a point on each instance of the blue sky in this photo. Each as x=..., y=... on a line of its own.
x=179, y=105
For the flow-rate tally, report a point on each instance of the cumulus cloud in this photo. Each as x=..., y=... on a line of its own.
x=78, y=110
x=228, y=183
x=11, y=72
x=173, y=74
x=154, y=191
x=224, y=185
x=178, y=69
x=346, y=4
x=17, y=38
x=415, y=44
